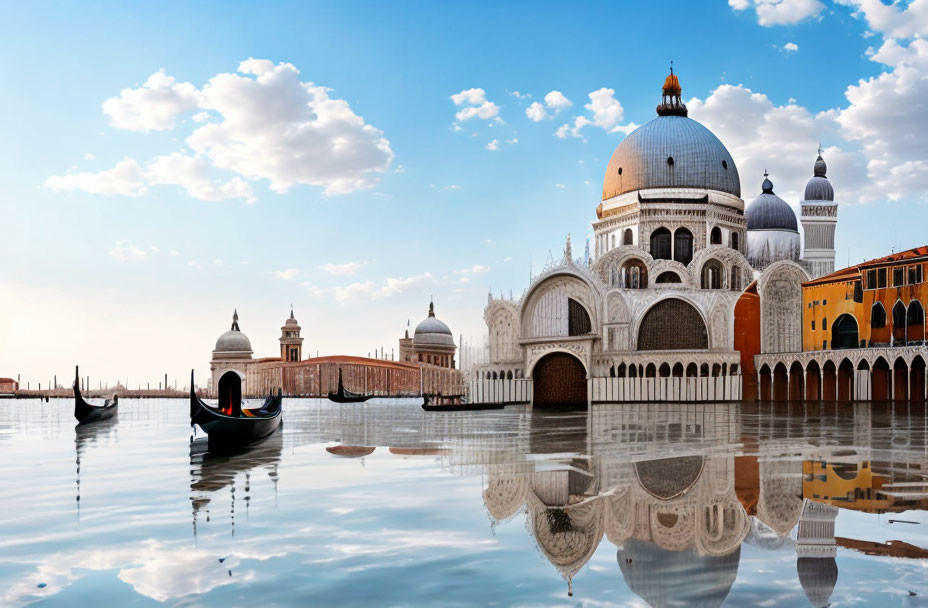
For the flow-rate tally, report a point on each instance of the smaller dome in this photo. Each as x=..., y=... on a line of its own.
x=770, y=212
x=432, y=331
x=233, y=341
x=819, y=188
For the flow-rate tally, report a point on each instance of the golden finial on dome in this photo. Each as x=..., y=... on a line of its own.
x=671, y=104
x=672, y=84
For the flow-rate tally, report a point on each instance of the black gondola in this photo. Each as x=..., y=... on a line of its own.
x=87, y=412
x=345, y=396
x=230, y=426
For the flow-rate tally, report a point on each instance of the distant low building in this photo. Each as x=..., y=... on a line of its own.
x=430, y=370
x=8, y=386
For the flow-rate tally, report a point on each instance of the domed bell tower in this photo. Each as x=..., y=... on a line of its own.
x=291, y=344
x=819, y=220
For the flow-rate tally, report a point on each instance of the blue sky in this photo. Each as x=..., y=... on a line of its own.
x=133, y=274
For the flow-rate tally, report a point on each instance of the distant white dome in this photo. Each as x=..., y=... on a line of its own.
x=233, y=341
x=432, y=332
x=773, y=233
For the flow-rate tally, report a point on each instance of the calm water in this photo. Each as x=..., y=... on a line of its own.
x=384, y=504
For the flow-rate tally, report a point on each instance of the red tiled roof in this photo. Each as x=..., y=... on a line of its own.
x=852, y=271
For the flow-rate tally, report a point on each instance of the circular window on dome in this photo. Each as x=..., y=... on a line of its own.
x=670, y=161
x=620, y=170
x=724, y=164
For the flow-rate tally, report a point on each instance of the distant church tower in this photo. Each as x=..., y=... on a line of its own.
x=291, y=344
x=819, y=218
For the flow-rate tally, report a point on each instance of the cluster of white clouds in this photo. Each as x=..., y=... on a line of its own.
x=605, y=111
x=554, y=102
x=474, y=104
x=371, y=290
x=343, y=268
x=261, y=123
x=780, y=12
x=881, y=153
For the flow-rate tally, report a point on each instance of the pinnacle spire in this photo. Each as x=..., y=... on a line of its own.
x=235, y=320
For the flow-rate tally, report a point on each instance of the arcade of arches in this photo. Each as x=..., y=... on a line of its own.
x=897, y=374
x=559, y=380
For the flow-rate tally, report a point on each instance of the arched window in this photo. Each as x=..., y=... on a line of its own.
x=634, y=275
x=735, y=282
x=715, y=237
x=899, y=314
x=734, y=241
x=621, y=371
x=916, y=314
x=612, y=372
x=683, y=246
x=844, y=332
x=613, y=242
x=578, y=321
x=668, y=277
x=627, y=237
x=712, y=275
x=877, y=316
x=509, y=375
x=660, y=244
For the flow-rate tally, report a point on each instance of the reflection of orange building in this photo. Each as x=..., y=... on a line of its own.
x=853, y=486
x=876, y=303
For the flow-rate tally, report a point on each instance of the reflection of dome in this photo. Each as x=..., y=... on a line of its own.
x=432, y=332
x=669, y=477
x=233, y=341
x=671, y=151
x=818, y=576
x=819, y=188
x=677, y=578
x=770, y=212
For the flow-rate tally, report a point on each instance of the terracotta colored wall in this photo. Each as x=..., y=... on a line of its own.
x=747, y=339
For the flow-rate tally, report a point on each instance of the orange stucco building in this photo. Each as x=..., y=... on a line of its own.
x=877, y=303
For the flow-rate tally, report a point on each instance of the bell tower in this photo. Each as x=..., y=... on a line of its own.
x=819, y=220
x=291, y=344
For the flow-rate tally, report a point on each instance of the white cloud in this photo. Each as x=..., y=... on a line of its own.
x=194, y=264
x=536, y=112
x=519, y=95
x=289, y=132
x=607, y=113
x=369, y=290
x=343, y=269
x=791, y=47
x=512, y=141
x=781, y=139
x=152, y=107
x=896, y=20
x=192, y=174
x=125, y=251
x=287, y=274
x=269, y=125
x=779, y=12
x=475, y=269
x=89, y=156
x=125, y=178
x=474, y=104
x=557, y=100
x=493, y=145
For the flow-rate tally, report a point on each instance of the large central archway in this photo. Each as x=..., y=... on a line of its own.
x=559, y=380
x=672, y=324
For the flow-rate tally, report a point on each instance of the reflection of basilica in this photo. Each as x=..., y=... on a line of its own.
x=676, y=489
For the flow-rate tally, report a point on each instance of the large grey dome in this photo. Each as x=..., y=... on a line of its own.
x=818, y=577
x=432, y=332
x=671, y=152
x=770, y=212
x=233, y=341
x=819, y=188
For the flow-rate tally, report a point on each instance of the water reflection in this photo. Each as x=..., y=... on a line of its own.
x=673, y=504
x=211, y=473
x=85, y=437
